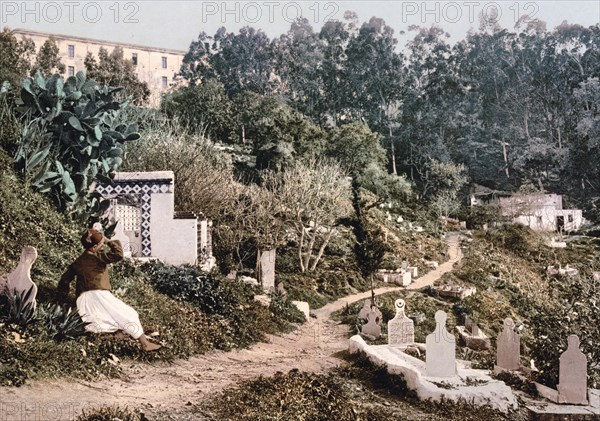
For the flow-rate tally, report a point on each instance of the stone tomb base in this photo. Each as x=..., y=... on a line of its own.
x=547, y=411
x=486, y=390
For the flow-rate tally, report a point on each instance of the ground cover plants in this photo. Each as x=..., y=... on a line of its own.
x=357, y=390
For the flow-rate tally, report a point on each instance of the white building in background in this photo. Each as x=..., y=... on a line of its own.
x=155, y=66
x=541, y=212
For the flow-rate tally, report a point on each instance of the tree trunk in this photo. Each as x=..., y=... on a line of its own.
x=300, y=247
x=393, y=150
x=321, y=250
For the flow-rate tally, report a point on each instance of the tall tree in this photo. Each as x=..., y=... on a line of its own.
x=48, y=61
x=114, y=70
x=15, y=58
x=241, y=62
x=298, y=56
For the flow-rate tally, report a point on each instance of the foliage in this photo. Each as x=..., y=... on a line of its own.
x=60, y=323
x=291, y=396
x=114, y=70
x=16, y=309
x=169, y=146
x=47, y=60
x=241, y=62
x=71, y=140
x=15, y=57
x=314, y=196
x=203, y=108
x=283, y=309
x=28, y=219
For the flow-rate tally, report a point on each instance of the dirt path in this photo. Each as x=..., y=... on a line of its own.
x=165, y=390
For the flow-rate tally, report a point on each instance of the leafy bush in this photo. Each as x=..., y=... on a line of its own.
x=187, y=283
x=283, y=309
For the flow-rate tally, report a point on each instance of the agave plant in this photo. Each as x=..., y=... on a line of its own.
x=16, y=309
x=61, y=324
x=72, y=139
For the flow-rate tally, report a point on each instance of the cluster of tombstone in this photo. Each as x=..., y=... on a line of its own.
x=440, y=350
x=403, y=276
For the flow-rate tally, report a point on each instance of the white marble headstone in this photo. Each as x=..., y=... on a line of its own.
x=440, y=356
x=19, y=280
x=401, y=329
x=508, y=347
x=572, y=374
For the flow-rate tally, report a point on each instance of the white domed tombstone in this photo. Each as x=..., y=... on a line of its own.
x=401, y=329
x=440, y=355
x=19, y=280
x=572, y=374
x=508, y=348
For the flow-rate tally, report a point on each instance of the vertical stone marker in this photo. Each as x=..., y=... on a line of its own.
x=572, y=374
x=368, y=308
x=440, y=355
x=373, y=326
x=267, y=269
x=401, y=329
x=508, y=348
x=19, y=280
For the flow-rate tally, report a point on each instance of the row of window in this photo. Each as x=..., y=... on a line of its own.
x=134, y=56
x=164, y=79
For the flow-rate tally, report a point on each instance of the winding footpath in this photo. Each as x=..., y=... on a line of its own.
x=166, y=391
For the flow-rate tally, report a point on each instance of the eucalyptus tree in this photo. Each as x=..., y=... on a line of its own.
x=298, y=56
x=241, y=62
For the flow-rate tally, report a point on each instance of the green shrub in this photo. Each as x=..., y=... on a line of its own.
x=291, y=396
x=212, y=294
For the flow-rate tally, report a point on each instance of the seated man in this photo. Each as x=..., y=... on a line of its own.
x=96, y=304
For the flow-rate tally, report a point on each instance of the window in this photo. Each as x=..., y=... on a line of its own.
x=164, y=62
x=570, y=218
x=71, y=51
x=71, y=71
x=134, y=59
x=165, y=82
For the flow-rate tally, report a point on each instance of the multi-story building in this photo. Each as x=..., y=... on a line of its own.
x=155, y=66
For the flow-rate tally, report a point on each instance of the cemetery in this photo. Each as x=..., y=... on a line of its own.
x=254, y=227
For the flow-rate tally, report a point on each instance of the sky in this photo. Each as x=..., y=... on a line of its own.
x=174, y=24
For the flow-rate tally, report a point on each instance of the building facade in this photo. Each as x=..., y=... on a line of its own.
x=155, y=66
x=541, y=212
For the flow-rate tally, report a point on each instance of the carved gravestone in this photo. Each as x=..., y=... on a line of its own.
x=508, y=352
x=19, y=280
x=440, y=356
x=401, y=329
x=373, y=326
x=572, y=375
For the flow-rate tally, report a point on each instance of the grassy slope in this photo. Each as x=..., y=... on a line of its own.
x=26, y=218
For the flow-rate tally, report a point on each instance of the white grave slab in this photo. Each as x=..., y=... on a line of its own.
x=440, y=357
x=572, y=375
